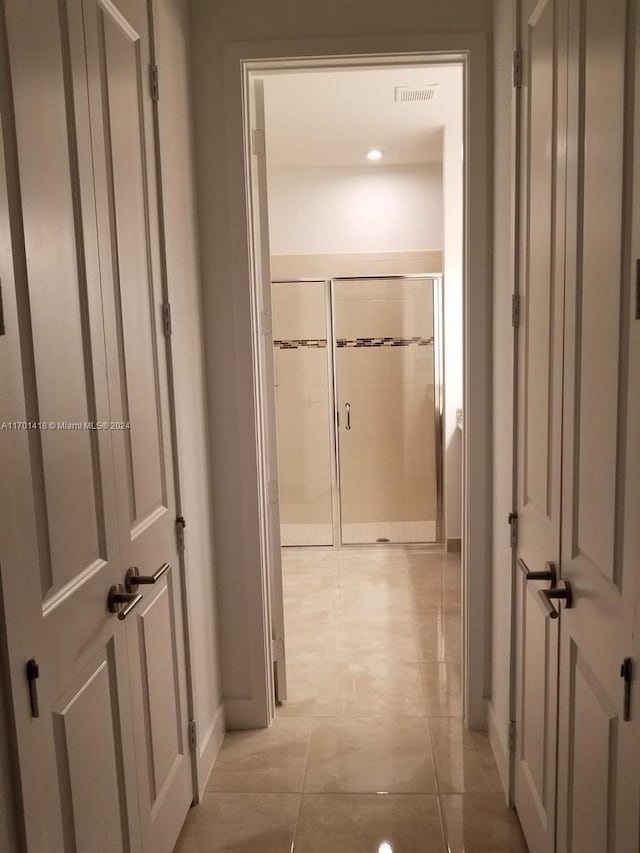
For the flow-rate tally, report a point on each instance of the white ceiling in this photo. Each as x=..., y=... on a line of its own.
x=332, y=118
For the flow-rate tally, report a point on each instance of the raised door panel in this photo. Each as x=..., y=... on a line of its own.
x=593, y=730
x=600, y=464
x=156, y=658
x=539, y=414
x=88, y=743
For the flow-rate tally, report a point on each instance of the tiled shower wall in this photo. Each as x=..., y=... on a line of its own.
x=302, y=412
x=385, y=370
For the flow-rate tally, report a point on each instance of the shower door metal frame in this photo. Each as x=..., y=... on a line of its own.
x=438, y=395
x=332, y=385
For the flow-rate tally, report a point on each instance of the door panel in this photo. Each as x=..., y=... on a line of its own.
x=79, y=646
x=598, y=756
x=386, y=341
x=118, y=61
x=88, y=741
x=160, y=693
x=539, y=414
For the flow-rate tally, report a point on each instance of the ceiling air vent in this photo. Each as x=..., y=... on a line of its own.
x=413, y=94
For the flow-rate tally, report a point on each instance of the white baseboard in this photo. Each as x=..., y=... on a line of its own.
x=244, y=714
x=209, y=748
x=499, y=747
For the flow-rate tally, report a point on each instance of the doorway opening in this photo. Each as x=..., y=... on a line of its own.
x=360, y=213
x=462, y=179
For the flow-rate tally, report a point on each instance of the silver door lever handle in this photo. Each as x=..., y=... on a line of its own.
x=122, y=602
x=561, y=593
x=133, y=578
x=348, y=409
x=549, y=574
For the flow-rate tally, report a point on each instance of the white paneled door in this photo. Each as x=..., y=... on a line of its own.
x=105, y=764
x=599, y=750
x=577, y=761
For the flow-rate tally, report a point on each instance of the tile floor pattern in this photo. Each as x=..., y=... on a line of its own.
x=369, y=754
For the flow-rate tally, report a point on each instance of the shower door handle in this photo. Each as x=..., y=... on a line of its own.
x=348, y=410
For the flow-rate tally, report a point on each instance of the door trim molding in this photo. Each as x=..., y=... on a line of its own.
x=241, y=59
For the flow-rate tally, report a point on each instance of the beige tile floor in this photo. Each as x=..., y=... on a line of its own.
x=369, y=753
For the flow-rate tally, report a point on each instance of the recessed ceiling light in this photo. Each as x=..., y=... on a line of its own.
x=374, y=154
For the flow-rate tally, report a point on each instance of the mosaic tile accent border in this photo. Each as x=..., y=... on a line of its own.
x=311, y=343
x=321, y=343
x=384, y=342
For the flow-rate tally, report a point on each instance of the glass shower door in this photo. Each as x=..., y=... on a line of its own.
x=386, y=394
x=303, y=411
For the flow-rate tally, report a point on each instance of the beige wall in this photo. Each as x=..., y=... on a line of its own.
x=330, y=265
x=325, y=209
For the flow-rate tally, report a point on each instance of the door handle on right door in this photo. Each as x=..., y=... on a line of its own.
x=348, y=410
x=563, y=592
x=133, y=578
x=122, y=602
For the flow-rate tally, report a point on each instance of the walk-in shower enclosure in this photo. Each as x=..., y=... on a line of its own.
x=358, y=384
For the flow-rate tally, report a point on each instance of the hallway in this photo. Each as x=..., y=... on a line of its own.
x=369, y=754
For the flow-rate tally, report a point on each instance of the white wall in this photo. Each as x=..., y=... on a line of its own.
x=354, y=209
x=503, y=282
x=183, y=278
x=216, y=27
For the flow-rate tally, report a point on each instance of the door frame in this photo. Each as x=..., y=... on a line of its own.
x=247, y=60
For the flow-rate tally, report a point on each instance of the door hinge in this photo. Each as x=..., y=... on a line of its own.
x=517, y=69
x=258, y=145
x=638, y=289
x=3, y=331
x=511, y=735
x=193, y=734
x=180, y=526
x=33, y=674
x=277, y=650
x=155, y=86
x=626, y=672
x=272, y=491
x=515, y=310
x=166, y=318
x=513, y=529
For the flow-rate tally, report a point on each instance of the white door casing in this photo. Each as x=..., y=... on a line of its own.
x=267, y=449
x=106, y=766
x=540, y=342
